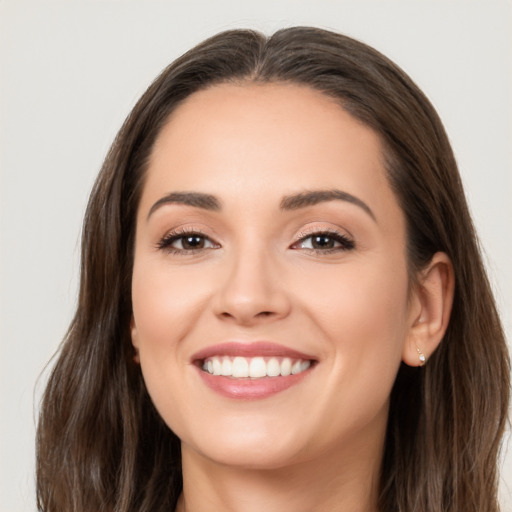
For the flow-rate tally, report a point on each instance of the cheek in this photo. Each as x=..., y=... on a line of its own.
x=361, y=315
x=165, y=305
x=362, y=311
x=375, y=307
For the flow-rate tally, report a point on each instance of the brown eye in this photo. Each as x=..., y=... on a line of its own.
x=192, y=242
x=186, y=243
x=322, y=242
x=325, y=242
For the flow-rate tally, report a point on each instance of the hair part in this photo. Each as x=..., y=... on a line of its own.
x=102, y=446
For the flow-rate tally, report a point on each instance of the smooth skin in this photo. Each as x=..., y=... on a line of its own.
x=328, y=279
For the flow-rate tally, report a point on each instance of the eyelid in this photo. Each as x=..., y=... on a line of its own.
x=327, y=229
x=166, y=241
x=343, y=238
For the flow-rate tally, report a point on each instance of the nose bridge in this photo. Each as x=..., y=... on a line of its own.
x=251, y=290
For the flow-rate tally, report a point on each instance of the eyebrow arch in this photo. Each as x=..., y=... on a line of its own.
x=196, y=199
x=310, y=198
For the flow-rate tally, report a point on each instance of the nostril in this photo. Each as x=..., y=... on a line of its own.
x=261, y=315
x=225, y=314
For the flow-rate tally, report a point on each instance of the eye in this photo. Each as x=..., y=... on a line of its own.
x=186, y=242
x=325, y=242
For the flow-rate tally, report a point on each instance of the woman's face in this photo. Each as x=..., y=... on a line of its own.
x=270, y=290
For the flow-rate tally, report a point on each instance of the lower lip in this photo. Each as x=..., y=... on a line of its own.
x=250, y=389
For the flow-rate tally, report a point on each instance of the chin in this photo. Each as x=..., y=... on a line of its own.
x=252, y=457
x=256, y=447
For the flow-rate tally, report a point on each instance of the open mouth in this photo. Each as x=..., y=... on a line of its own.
x=251, y=370
x=254, y=367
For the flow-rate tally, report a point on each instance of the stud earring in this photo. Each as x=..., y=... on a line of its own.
x=421, y=356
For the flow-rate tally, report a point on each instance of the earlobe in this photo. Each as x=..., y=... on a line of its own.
x=430, y=311
x=133, y=334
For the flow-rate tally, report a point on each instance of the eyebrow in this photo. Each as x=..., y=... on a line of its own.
x=291, y=202
x=196, y=199
x=310, y=198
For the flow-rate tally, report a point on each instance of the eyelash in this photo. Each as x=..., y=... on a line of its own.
x=345, y=243
x=165, y=244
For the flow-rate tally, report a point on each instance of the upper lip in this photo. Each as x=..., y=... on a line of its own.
x=253, y=349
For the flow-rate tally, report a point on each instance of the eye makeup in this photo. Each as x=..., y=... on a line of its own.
x=185, y=241
x=324, y=242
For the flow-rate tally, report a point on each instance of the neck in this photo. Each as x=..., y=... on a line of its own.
x=334, y=482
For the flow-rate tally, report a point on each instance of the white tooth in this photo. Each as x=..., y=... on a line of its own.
x=273, y=368
x=286, y=367
x=205, y=366
x=227, y=367
x=296, y=368
x=240, y=367
x=210, y=366
x=304, y=365
x=217, y=366
x=257, y=367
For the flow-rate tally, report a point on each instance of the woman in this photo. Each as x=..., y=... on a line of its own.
x=282, y=300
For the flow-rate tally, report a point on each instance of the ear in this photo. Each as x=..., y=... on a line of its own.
x=135, y=342
x=430, y=308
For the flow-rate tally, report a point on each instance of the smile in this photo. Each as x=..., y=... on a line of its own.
x=251, y=370
x=254, y=367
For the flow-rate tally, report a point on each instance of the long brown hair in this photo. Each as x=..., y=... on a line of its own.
x=101, y=446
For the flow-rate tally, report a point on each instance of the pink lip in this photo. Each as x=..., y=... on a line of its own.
x=247, y=388
x=258, y=348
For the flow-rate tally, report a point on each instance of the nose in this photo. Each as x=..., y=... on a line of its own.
x=251, y=291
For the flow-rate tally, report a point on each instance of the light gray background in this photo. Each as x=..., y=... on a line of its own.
x=71, y=71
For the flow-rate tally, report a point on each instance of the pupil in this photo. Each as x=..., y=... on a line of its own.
x=193, y=242
x=323, y=242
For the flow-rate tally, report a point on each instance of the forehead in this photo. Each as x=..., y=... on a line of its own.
x=256, y=117
x=268, y=140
